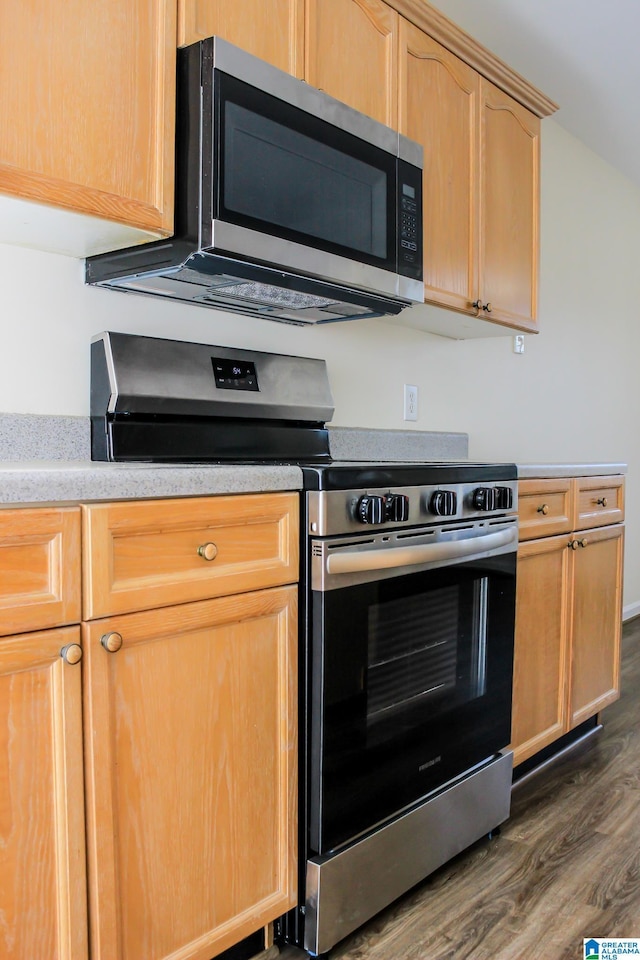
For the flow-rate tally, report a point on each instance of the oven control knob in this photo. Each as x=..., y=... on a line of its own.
x=504, y=498
x=370, y=509
x=484, y=498
x=396, y=507
x=444, y=503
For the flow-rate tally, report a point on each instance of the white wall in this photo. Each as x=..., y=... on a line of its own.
x=573, y=395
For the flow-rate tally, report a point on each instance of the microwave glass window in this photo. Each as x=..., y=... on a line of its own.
x=280, y=176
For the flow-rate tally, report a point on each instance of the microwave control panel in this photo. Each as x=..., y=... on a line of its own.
x=409, y=220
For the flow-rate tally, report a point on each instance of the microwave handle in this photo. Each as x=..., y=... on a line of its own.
x=355, y=561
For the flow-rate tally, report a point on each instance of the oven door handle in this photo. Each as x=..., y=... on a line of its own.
x=355, y=561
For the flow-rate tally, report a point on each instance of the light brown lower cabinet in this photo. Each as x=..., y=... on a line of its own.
x=182, y=684
x=568, y=608
x=191, y=774
x=43, y=911
x=541, y=645
x=596, y=622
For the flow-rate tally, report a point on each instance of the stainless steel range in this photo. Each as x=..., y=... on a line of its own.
x=407, y=615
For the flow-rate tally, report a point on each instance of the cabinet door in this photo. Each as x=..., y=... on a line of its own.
x=438, y=107
x=42, y=849
x=596, y=621
x=541, y=645
x=87, y=102
x=270, y=29
x=509, y=214
x=191, y=775
x=351, y=54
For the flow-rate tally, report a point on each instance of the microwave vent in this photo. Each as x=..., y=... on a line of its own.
x=275, y=296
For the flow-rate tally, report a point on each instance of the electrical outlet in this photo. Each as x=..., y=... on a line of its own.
x=518, y=343
x=410, y=402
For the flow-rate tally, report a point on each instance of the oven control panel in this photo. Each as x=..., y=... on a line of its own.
x=332, y=512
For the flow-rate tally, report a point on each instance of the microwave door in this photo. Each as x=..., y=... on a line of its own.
x=297, y=192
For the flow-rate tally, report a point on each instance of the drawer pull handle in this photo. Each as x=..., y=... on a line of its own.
x=72, y=653
x=602, y=501
x=208, y=551
x=479, y=305
x=111, y=642
x=544, y=509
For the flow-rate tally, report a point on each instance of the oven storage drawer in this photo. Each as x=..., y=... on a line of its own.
x=345, y=890
x=153, y=553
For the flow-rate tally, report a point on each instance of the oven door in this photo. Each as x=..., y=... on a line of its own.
x=411, y=673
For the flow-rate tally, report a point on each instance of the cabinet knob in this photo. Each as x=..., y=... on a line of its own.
x=573, y=544
x=477, y=304
x=544, y=509
x=111, y=642
x=208, y=551
x=584, y=542
x=487, y=308
x=72, y=653
x=602, y=501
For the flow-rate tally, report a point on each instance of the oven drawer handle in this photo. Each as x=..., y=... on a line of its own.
x=352, y=561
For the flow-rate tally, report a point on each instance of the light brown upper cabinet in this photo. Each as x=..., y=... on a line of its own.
x=509, y=210
x=481, y=184
x=351, y=53
x=270, y=29
x=439, y=108
x=87, y=95
x=313, y=40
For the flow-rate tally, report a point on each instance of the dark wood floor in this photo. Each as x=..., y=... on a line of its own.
x=565, y=866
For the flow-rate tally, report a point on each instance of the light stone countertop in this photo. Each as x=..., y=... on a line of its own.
x=529, y=471
x=61, y=481
x=47, y=459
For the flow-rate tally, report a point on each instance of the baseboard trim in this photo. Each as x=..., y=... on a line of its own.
x=630, y=611
x=557, y=756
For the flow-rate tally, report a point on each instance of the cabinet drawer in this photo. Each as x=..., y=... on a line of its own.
x=545, y=507
x=155, y=553
x=599, y=501
x=39, y=568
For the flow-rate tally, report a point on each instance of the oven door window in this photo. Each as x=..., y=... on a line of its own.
x=288, y=174
x=411, y=686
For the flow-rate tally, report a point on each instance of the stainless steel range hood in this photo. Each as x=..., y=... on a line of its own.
x=215, y=280
x=225, y=255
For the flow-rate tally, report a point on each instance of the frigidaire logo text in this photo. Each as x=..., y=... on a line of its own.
x=429, y=763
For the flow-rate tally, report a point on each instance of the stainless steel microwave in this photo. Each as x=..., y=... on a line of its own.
x=289, y=204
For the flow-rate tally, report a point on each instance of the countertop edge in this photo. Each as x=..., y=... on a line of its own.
x=539, y=471
x=73, y=482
